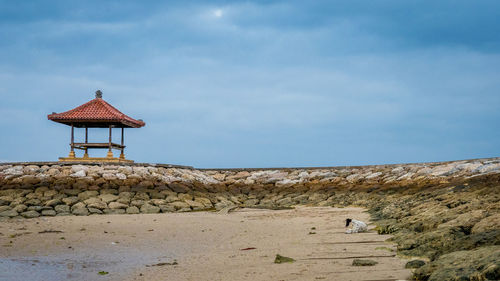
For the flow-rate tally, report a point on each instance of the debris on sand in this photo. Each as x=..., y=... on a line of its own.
x=360, y=262
x=282, y=259
x=102, y=272
x=249, y=248
x=50, y=231
x=164, y=263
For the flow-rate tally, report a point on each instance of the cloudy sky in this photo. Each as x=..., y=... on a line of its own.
x=257, y=84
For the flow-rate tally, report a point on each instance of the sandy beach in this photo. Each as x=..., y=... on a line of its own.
x=241, y=245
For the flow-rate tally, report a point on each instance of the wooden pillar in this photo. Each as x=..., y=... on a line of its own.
x=122, y=155
x=110, y=153
x=86, y=154
x=72, y=151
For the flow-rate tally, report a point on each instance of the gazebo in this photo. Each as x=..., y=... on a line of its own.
x=96, y=113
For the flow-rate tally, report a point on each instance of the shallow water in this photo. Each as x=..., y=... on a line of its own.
x=74, y=267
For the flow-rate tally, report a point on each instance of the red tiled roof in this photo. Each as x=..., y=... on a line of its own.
x=95, y=113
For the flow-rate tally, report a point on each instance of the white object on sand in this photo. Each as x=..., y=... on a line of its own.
x=357, y=226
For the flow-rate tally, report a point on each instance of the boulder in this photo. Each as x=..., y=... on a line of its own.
x=20, y=208
x=116, y=205
x=108, y=197
x=195, y=205
x=80, y=211
x=62, y=209
x=132, y=210
x=9, y=213
x=30, y=214
x=70, y=200
x=87, y=194
x=93, y=210
x=149, y=209
x=49, y=213
x=486, y=224
x=178, y=205
x=52, y=202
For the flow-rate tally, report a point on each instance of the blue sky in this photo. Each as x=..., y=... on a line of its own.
x=257, y=84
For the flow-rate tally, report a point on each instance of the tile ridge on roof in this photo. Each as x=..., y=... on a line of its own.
x=80, y=107
x=112, y=110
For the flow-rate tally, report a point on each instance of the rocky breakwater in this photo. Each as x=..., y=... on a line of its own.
x=447, y=213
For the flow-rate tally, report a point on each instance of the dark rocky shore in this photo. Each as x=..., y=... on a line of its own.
x=447, y=214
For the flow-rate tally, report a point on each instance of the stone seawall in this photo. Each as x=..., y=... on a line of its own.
x=446, y=214
x=50, y=189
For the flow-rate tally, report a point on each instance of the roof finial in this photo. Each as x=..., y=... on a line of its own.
x=98, y=94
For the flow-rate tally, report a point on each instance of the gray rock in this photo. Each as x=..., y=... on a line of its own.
x=80, y=211
x=30, y=214
x=5, y=200
x=167, y=208
x=415, y=264
x=108, y=197
x=137, y=203
x=62, y=209
x=178, y=205
x=35, y=208
x=4, y=208
x=114, y=211
x=141, y=196
x=149, y=209
x=32, y=202
x=87, y=194
x=9, y=213
x=53, y=202
x=95, y=210
x=71, y=192
x=109, y=191
x=251, y=202
x=132, y=210
x=116, y=205
x=195, y=205
x=79, y=174
x=49, y=213
x=97, y=205
x=70, y=200
x=20, y=208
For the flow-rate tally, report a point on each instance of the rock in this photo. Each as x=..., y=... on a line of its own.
x=141, y=196
x=20, y=208
x=87, y=194
x=149, y=209
x=30, y=214
x=35, y=208
x=9, y=213
x=287, y=201
x=167, y=208
x=5, y=200
x=80, y=211
x=108, y=197
x=71, y=192
x=95, y=210
x=32, y=202
x=178, y=205
x=488, y=223
x=195, y=205
x=114, y=211
x=79, y=174
x=109, y=191
x=49, y=213
x=132, y=210
x=415, y=264
x=70, y=200
x=62, y=209
x=137, y=203
x=52, y=202
x=116, y=205
x=121, y=176
x=361, y=262
x=4, y=208
x=282, y=259
x=78, y=168
x=98, y=204
x=478, y=264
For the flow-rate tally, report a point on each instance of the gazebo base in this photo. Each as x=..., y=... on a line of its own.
x=95, y=159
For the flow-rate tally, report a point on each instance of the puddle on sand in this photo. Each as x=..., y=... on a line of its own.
x=71, y=267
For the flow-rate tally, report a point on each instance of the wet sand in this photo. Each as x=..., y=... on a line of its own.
x=196, y=246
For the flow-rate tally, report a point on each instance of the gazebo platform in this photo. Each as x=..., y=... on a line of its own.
x=95, y=159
